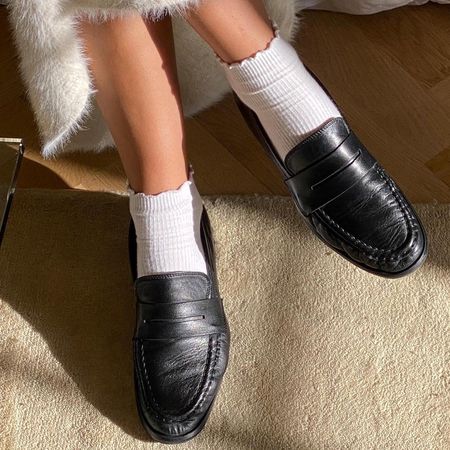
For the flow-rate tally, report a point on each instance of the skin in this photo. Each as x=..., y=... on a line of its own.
x=234, y=29
x=132, y=62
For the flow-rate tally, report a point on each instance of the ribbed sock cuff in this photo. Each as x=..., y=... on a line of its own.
x=142, y=203
x=259, y=70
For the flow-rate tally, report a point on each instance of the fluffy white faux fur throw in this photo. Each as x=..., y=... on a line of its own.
x=56, y=74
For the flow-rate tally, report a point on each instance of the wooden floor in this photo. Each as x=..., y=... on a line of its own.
x=389, y=73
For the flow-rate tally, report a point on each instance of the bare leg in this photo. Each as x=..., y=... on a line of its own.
x=235, y=29
x=133, y=64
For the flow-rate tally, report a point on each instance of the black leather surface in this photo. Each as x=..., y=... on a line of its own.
x=348, y=199
x=181, y=346
x=325, y=179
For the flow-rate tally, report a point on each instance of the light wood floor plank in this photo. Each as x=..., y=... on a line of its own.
x=416, y=38
x=217, y=169
x=402, y=130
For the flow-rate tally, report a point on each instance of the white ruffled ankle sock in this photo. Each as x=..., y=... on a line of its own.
x=168, y=229
x=276, y=85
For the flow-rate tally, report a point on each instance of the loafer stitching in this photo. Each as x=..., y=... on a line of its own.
x=411, y=226
x=211, y=373
x=201, y=397
x=207, y=362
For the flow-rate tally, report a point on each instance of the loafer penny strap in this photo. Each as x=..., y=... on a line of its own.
x=331, y=176
x=158, y=321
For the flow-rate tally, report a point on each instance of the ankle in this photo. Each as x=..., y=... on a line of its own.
x=167, y=181
x=227, y=59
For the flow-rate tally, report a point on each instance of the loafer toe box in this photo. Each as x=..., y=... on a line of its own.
x=177, y=382
x=374, y=225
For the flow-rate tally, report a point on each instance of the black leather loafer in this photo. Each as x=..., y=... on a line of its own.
x=181, y=345
x=347, y=199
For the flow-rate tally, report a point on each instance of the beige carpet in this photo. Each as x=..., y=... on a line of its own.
x=324, y=356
